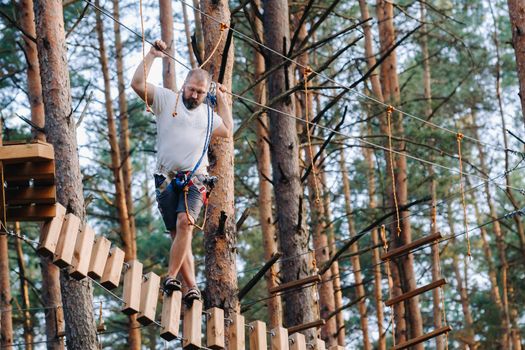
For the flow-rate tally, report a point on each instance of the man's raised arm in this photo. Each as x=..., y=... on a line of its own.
x=223, y=109
x=137, y=83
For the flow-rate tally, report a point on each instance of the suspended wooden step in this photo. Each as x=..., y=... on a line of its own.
x=215, y=328
x=415, y=292
x=296, y=283
x=305, y=326
x=297, y=341
x=258, y=336
x=191, y=327
x=279, y=339
x=394, y=253
x=422, y=338
x=29, y=179
x=237, y=332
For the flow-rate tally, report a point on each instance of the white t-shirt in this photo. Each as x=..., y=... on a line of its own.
x=180, y=139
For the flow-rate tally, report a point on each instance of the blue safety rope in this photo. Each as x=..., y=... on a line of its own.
x=211, y=102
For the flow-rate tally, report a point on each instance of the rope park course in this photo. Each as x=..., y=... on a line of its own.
x=73, y=246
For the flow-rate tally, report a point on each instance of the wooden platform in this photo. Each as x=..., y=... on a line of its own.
x=29, y=176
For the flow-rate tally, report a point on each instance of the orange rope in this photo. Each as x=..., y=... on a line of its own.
x=389, y=111
x=307, y=72
x=459, y=137
x=390, y=282
x=224, y=26
x=143, y=57
x=174, y=114
x=188, y=216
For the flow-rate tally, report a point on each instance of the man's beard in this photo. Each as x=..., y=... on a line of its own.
x=190, y=103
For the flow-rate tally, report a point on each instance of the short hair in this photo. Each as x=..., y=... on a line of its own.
x=199, y=74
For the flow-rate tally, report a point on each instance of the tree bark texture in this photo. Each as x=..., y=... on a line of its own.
x=166, y=30
x=266, y=218
x=6, y=321
x=220, y=236
x=134, y=335
x=60, y=129
x=187, y=33
x=124, y=136
x=517, y=22
x=408, y=319
x=356, y=262
x=293, y=238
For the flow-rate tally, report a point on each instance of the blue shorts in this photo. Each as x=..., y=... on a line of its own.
x=170, y=200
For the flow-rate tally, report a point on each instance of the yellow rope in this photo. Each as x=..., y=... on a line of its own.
x=459, y=137
x=188, y=216
x=390, y=282
x=389, y=111
x=307, y=72
x=143, y=57
x=224, y=26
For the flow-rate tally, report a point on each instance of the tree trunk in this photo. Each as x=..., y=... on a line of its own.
x=220, y=238
x=134, y=336
x=408, y=321
x=50, y=272
x=187, y=32
x=338, y=292
x=60, y=129
x=6, y=320
x=378, y=292
x=354, y=248
x=24, y=292
x=378, y=94
x=293, y=238
x=517, y=21
x=265, y=187
x=199, y=39
x=166, y=30
x=466, y=335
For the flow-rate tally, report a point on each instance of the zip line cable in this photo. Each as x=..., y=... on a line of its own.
x=359, y=138
x=341, y=85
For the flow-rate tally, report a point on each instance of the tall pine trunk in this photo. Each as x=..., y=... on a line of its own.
x=266, y=218
x=6, y=320
x=60, y=129
x=134, y=336
x=220, y=236
x=409, y=323
x=517, y=22
x=24, y=292
x=293, y=238
x=356, y=262
x=166, y=30
x=187, y=33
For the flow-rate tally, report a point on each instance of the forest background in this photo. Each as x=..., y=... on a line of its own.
x=457, y=74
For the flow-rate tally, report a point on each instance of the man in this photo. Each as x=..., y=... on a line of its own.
x=181, y=136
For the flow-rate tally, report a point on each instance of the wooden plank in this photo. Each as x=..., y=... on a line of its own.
x=149, y=296
x=297, y=341
x=132, y=287
x=26, y=152
x=296, y=283
x=393, y=253
x=82, y=254
x=170, y=319
x=111, y=276
x=258, y=336
x=336, y=347
x=28, y=195
x=304, y=326
x=191, y=329
x=415, y=292
x=279, y=339
x=215, y=328
x=99, y=256
x=66, y=242
x=50, y=232
x=44, y=171
x=236, y=340
x=41, y=212
x=320, y=344
x=422, y=338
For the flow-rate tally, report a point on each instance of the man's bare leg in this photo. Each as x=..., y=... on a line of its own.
x=180, y=247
